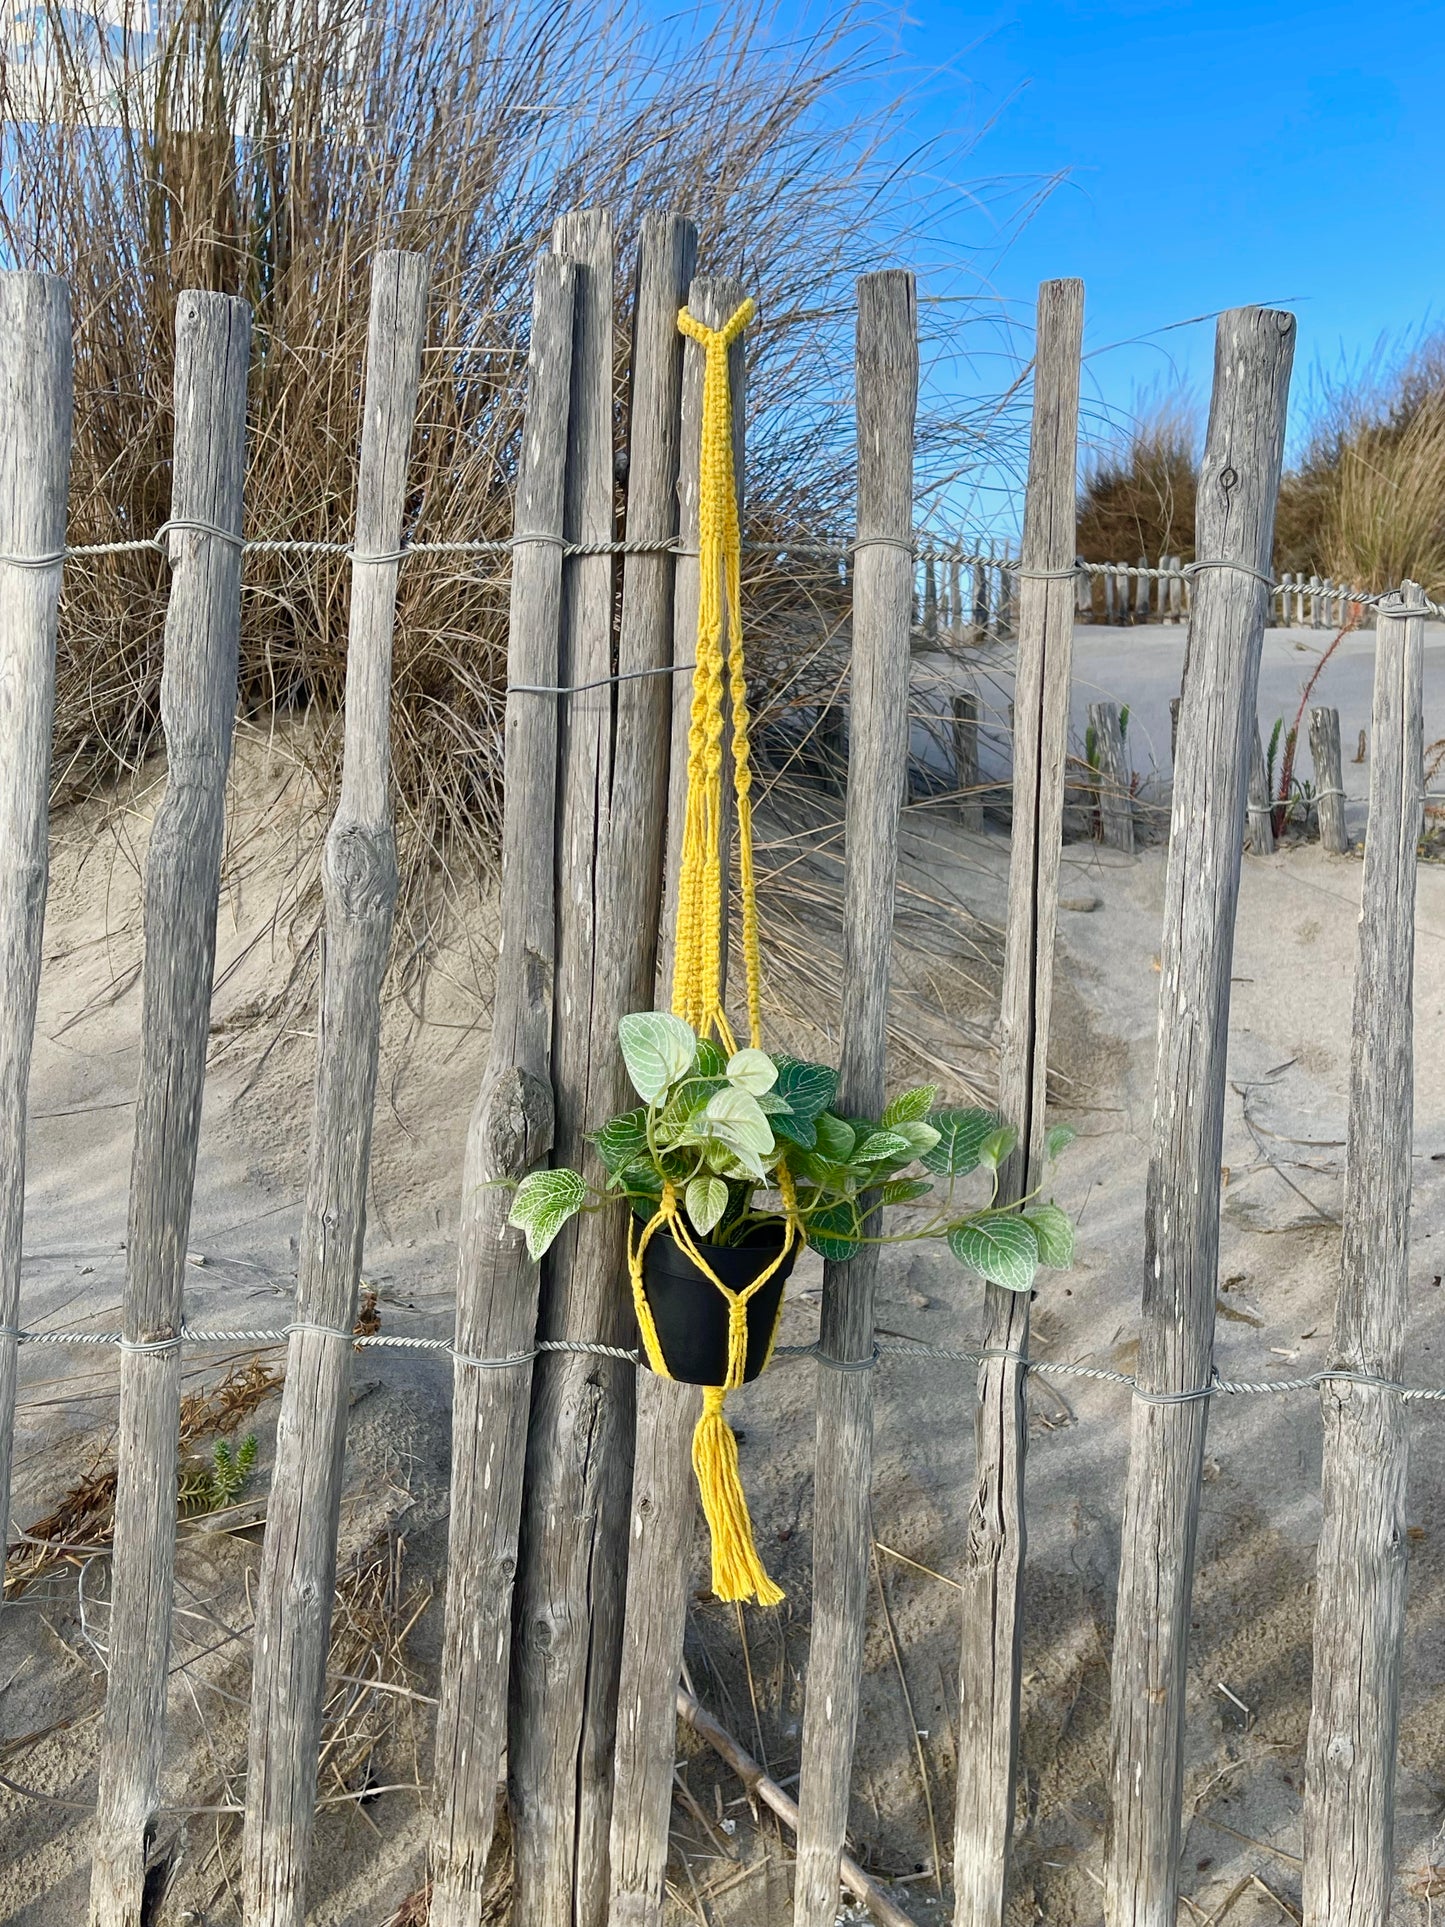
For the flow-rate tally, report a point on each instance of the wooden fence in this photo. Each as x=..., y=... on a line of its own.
x=572, y=1502
x=968, y=593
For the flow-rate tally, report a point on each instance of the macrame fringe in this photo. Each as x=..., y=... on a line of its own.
x=737, y=1570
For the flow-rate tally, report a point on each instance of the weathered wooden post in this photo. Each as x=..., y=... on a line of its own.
x=510, y=1132
x=994, y=1553
x=930, y=600
x=35, y=411
x=887, y=401
x=1176, y=592
x=980, y=602
x=566, y=1655
x=1260, y=840
x=1238, y=485
x=887, y=398
x=1116, y=803
x=965, y=759
x=359, y=879
x=1360, y=1573
x=664, y=1495
x=182, y=886
x=1329, y=779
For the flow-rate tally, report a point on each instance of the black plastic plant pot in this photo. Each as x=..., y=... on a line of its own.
x=691, y=1314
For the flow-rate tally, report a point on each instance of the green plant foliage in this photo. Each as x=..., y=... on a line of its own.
x=721, y=1131
x=1053, y=1231
x=961, y=1136
x=1000, y=1246
x=543, y=1204
x=909, y=1107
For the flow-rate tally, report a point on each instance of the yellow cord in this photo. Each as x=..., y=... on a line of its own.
x=697, y=988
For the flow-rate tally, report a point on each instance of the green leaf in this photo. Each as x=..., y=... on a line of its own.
x=809, y=1088
x=792, y=1129
x=997, y=1145
x=771, y=1105
x=911, y=1107
x=706, y=1200
x=834, y=1232
x=883, y=1147
x=1058, y=1138
x=643, y=1180
x=922, y=1137
x=960, y=1134
x=904, y=1190
x=835, y=1138
x=543, y=1204
x=1054, y=1232
x=752, y=1070
x=1000, y=1246
x=622, y=1140
x=711, y=1060
x=685, y=1103
x=733, y=1115
x=657, y=1049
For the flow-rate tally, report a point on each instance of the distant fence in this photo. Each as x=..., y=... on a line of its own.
x=969, y=593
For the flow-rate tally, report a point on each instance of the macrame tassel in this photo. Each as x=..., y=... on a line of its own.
x=737, y=1571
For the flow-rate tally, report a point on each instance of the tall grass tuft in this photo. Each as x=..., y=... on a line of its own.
x=1138, y=496
x=1366, y=503
x=268, y=150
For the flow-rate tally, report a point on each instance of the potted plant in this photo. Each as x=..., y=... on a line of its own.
x=744, y=1149
x=732, y=1162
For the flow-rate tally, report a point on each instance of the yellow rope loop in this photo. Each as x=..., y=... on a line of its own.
x=666, y=1214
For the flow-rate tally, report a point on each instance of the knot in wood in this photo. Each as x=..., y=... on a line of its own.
x=517, y=1123
x=360, y=865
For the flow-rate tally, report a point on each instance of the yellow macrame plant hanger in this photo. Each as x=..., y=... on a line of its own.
x=697, y=987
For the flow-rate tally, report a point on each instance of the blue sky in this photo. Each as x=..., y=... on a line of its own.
x=1212, y=154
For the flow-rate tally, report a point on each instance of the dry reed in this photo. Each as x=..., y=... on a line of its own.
x=82, y=1523
x=269, y=151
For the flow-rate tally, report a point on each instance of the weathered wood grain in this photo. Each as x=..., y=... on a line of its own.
x=1260, y=806
x=35, y=416
x=1116, y=803
x=994, y=1551
x=664, y=1494
x=1360, y=1574
x=359, y=880
x=510, y=1132
x=1329, y=779
x=965, y=760
x=572, y=1572
x=198, y=707
x=1238, y=485
x=887, y=398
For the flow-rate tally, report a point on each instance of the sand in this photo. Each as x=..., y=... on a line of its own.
x=1249, y=1674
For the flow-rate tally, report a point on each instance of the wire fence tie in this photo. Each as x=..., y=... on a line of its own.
x=185, y=525
x=1226, y=562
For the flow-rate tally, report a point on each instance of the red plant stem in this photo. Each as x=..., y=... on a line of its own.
x=1291, y=741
